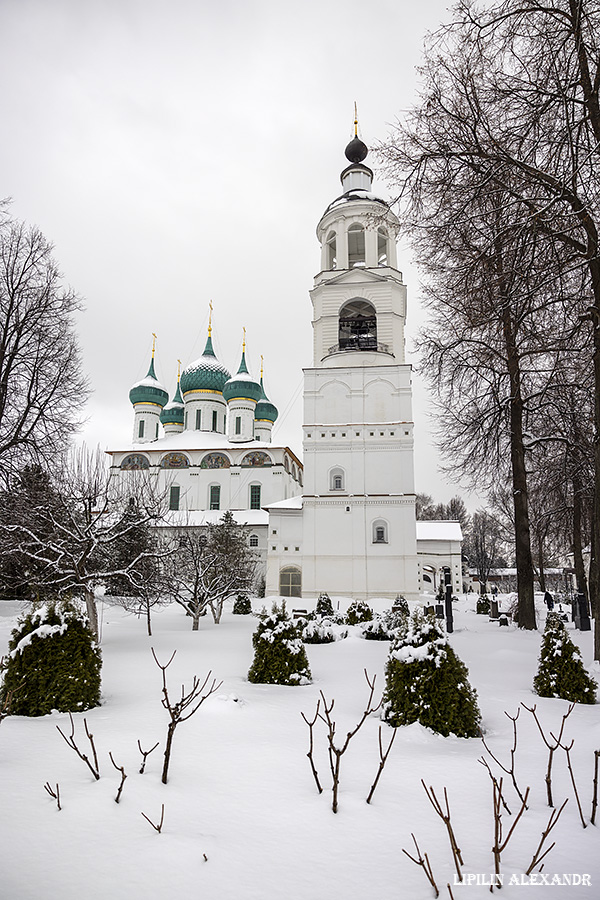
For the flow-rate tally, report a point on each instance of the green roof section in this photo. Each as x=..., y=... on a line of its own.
x=264, y=408
x=149, y=389
x=242, y=385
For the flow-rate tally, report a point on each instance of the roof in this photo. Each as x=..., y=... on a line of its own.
x=438, y=531
x=199, y=440
x=196, y=517
x=290, y=503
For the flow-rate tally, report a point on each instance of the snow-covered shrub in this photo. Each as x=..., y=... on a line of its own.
x=358, y=611
x=428, y=683
x=322, y=630
x=279, y=654
x=385, y=627
x=53, y=662
x=400, y=605
x=242, y=606
x=483, y=606
x=561, y=672
x=324, y=605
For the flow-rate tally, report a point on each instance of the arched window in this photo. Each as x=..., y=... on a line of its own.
x=337, y=481
x=174, y=461
x=214, y=496
x=286, y=464
x=293, y=471
x=358, y=326
x=331, y=250
x=135, y=461
x=380, y=531
x=253, y=541
x=290, y=582
x=382, y=247
x=356, y=246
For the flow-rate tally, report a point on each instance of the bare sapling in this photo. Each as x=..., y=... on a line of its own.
x=445, y=817
x=54, y=792
x=510, y=770
x=423, y=862
x=485, y=763
x=335, y=752
x=382, y=761
x=595, y=787
x=499, y=844
x=311, y=724
x=552, y=747
x=184, y=708
x=123, y=777
x=538, y=855
x=162, y=819
x=145, y=755
x=91, y=764
x=567, y=749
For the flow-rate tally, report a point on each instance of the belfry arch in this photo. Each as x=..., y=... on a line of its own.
x=357, y=325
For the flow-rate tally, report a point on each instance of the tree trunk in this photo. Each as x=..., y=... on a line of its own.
x=92, y=612
x=195, y=620
x=541, y=573
x=148, y=619
x=170, y=732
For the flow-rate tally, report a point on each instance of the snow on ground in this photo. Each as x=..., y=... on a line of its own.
x=243, y=819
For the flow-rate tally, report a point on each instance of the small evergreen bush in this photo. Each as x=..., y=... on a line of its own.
x=322, y=630
x=358, y=611
x=324, y=606
x=386, y=627
x=400, y=605
x=53, y=662
x=279, y=654
x=561, y=672
x=483, y=606
x=428, y=683
x=242, y=606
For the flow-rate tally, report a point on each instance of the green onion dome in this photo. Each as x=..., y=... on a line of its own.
x=242, y=385
x=149, y=390
x=173, y=413
x=264, y=408
x=205, y=374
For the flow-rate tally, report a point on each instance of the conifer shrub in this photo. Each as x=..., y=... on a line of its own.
x=323, y=630
x=53, y=662
x=400, y=605
x=358, y=611
x=561, y=672
x=279, y=654
x=426, y=682
x=242, y=605
x=483, y=606
x=324, y=605
x=387, y=626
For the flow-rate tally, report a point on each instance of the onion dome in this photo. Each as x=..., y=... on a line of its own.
x=149, y=389
x=173, y=413
x=206, y=373
x=242, y=385
x=356, y=150
x=264, y=408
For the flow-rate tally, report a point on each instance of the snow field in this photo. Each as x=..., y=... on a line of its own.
x=241, y=792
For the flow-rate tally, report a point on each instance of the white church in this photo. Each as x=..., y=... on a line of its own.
x=344, y=521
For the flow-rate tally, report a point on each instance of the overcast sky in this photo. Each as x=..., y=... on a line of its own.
x=182, y=152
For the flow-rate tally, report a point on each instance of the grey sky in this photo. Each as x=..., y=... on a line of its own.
x=182, y=152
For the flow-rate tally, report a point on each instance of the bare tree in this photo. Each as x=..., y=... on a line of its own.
x=511, y=103
x=42, y=388
x=484, y=546
x=74, y=546
x=208, y=566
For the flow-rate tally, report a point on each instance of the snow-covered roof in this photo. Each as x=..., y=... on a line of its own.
x=438, y=531
x=290, y=503
x=196, y=517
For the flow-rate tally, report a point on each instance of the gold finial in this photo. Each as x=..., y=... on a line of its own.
x=178, y=370
x=261, y=367
x=153, y=344
x=210, y=318
x=355, y=120
x=244, y=341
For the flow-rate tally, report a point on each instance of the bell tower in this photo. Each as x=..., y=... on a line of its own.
x=359, y=531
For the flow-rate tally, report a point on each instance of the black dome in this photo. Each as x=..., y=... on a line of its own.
x=356, y=151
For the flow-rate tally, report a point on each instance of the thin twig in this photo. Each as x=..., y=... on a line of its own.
x=123, y=777
x=595, y=785
x=382, y=761
x=509, y=771
x=423, y=862
x=483, y=761
x=537, y=857
x=94, y=768
x=54, y=792
x=162, y=817
x=445, y=817
x=145, y=755
x=567, y=750
x=311, y=725
x=551, y=747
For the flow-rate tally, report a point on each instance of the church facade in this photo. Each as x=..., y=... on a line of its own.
x=343, y=522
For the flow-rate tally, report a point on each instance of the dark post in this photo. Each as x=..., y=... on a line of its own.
x=582, y=615
x=448, y=600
